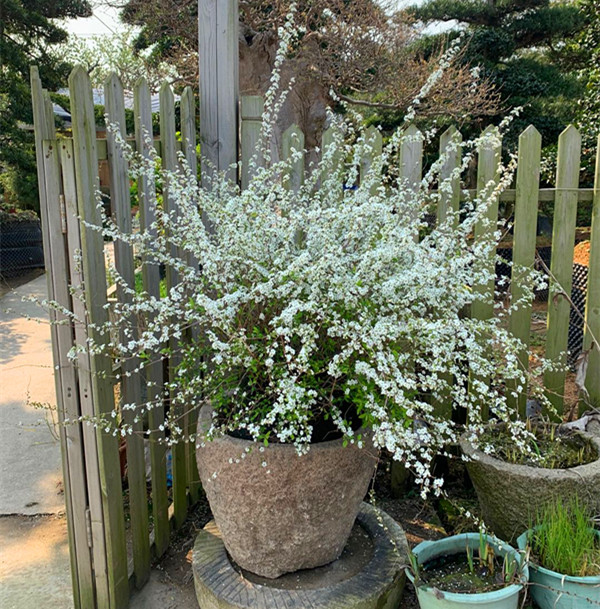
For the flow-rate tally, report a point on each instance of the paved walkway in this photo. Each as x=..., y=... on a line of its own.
x=34, y=554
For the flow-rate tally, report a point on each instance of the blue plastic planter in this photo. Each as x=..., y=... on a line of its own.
x=430, y=598
x=552, y=590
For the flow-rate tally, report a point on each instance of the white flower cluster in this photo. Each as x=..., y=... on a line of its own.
x=322, y=303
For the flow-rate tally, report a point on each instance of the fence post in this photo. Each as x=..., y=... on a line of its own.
x=131, y=390
x=219, y=60
x=450, y=148
x=86, y=164
x=292, y=145
x=487, y=179
x=561, y=267
x=411, y=163
x=188, y=145
x=84, y=378
x=151, y=282
x=252, y=108
x=335, y=172
x=64, y=374
x=523, y=258
x=170, y=163
x=592, y=306
x=372, y=157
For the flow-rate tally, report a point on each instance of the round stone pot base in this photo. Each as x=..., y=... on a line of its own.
x=368, y=575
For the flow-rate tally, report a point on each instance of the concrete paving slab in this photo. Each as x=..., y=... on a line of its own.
x=35, y=571
x=30, y=459
x=34, y=553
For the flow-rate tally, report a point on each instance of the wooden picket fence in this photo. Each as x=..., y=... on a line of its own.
x=103, y=571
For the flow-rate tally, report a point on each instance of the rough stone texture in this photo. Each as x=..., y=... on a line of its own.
x=510, y=495
x=279, y=512
x=377, y=585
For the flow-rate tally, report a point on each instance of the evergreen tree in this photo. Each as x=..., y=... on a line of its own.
x=522, y=46
x=589, y=46
x=27, y=36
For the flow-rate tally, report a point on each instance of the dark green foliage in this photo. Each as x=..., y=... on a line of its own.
x=27, y=36
x=523, y=46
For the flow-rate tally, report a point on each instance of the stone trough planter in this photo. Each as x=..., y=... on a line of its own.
x=510, y=495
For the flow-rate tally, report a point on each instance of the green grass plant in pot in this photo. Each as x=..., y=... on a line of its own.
x=311, y=328
x=565, y=557
x=514, y=476
x=467, y=570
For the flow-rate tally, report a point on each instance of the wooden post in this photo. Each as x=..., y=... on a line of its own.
x=170, y=163
x=292, y=144
x=131, y=390
x=74, y=480
x=487, y=178
x=450, y=147
x=188, y=146
x=411, y=163
x=94, y=273
x=84, y=379
x=151, y=282
x=523, y=258
x=252, y=108
x=372, y=157
x=335, y=172
x=219, y=60
x=592, y=303
x=561, y=267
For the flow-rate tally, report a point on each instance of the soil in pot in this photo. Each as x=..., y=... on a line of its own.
x=510, y=494
x=450, y=576
x=454, y=573
x=550, y=448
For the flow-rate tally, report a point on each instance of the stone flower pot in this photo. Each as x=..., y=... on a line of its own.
x=279, y=512
x=510, y=495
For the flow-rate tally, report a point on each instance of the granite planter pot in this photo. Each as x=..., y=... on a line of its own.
x=432, y=598
x=279, y=512
x=510, y=495
x=552, y=590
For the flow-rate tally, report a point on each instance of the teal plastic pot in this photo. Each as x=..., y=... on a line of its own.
x=431, y=598
x=552, y=590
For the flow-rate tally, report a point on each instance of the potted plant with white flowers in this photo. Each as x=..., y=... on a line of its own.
x=325, y=322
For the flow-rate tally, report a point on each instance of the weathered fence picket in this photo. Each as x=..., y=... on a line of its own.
x=251, y=108
x=370, y=160
x=68, y=177
x=151, y=284
x=561, y=267
x=591, y=339
x=292, y=146
x=170, y=163
x=488, y=174
x=94, y=276
x=131, y=389
x=523, y=257
x=449, y=191
x=64, y=374
x=188, y=146
x=84, y=377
